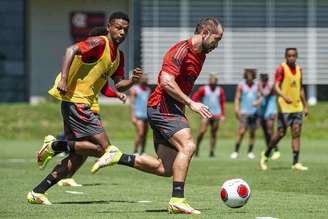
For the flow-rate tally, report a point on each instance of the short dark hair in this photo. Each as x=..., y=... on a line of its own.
x=264, y=76
x=98, y=31
x=288, y=49
x=251, y=71
x=118, y=15
x=209, y=22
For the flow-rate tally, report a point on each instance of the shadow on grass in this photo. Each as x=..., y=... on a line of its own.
x=280, y=168
x=143, y=211
x=93, y=184
x=94, y=202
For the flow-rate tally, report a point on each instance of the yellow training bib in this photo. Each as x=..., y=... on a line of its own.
x=291, y=87
x=85, y=80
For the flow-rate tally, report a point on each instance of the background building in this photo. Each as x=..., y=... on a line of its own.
x=35, y=34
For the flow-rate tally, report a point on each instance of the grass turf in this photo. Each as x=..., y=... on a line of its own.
x=115, y=192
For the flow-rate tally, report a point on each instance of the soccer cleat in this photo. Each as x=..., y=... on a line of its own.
x=109, y=158
x=299, y=166
x=46, y=153
x=180, y=206
x=251, y=155
x=37, y=198
x=264, y=161
x=69, y=182
x=275, y=155
x=233, y=155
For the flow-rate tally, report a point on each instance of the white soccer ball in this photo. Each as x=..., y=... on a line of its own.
x=235, y=193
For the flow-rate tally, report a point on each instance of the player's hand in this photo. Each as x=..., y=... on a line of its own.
x=62, y=86
x=122, y=96
x=287, y=99
x=306, y=112
x=237, y=114
x=201, y=109
x=136, y=75
x=222, y=120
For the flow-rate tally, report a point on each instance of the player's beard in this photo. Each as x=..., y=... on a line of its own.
x=207, y=47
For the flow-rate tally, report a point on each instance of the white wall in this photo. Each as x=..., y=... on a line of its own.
x=49, y=35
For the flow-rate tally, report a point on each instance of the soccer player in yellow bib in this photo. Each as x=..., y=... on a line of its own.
x=86, y=67
x=292, y=106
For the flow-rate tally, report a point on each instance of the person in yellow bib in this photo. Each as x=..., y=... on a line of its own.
x=292, y=106
x=86, y=68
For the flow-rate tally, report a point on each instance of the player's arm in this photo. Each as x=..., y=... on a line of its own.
x=277, y=85
x=237, y=100
x=122, y=84
x=222, y=103
x=258, y=101
x=169, y=85
x=109, y=92
x=132, y=97
x=303, y=98
x=67, y=62
x=198, y=95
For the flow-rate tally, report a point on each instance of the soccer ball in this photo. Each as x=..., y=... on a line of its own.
x=235, y=193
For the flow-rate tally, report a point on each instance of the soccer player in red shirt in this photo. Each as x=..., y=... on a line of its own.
x=173, y=140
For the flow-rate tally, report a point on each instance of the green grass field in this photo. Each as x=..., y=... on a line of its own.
x=116, y=192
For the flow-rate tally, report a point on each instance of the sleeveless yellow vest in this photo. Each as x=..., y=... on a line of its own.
x=85, y=80
x=291, y=87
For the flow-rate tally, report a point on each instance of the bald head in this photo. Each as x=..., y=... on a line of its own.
x=210, y=24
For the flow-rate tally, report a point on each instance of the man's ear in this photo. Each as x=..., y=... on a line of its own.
x=108, y=27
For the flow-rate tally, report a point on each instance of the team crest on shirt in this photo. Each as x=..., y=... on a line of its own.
x=293, y=83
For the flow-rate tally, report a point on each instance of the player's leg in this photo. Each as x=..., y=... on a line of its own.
x=201, y=133
x=283, y=123
x=214, y=129
x=296, y=129
x=270, y=126
x=65, y=169
x=139, y=129
x=265, y=128
x=251, y=142
x=240, y=136
x=144, y=136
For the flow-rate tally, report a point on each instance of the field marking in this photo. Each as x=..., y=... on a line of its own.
x=144, y=201
x=74, y=192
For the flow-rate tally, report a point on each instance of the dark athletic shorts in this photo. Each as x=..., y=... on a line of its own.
x=79, y=120
x=248, y=121
x=165, y=125
x=287, y=119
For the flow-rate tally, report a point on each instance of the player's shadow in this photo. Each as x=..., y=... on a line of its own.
x=280, y=168
x=93, y=184
x=94, y=202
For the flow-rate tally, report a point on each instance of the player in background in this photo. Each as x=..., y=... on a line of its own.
x=292, y=106
x=212, y=96
x=86, y=68
x=173, y=140
x=247, y=101
x=138, y=108
x=268, y=111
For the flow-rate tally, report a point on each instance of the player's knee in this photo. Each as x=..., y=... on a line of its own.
x=189, y=148
x=281, y=132
x=296, y=133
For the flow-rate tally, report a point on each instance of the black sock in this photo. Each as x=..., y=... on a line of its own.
x=178, y=190
x=211, y=153
x=295, y=157
x=237, y=146
x=63, y=146
x=127, y=160
x=250, y=148
x=45, y=184
x=276, y=148
x=268, y=152
x=142, y=150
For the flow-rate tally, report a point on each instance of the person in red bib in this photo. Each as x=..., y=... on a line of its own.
x=292, y=106
x=212, y=96
x=173, y=140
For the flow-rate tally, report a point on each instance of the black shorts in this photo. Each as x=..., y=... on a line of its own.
x=248, y=121
x=165, y=125
x=80, y=121
x=287, y=119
